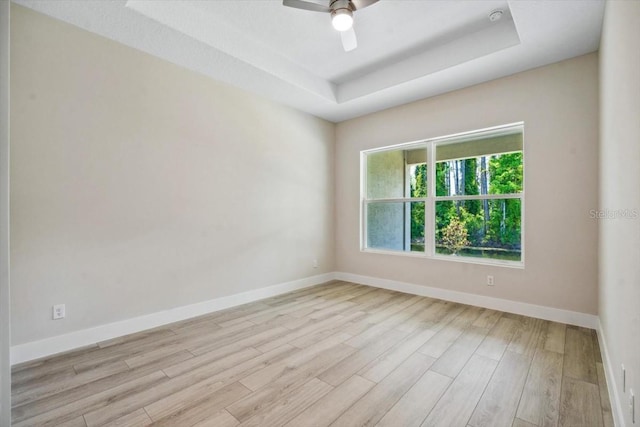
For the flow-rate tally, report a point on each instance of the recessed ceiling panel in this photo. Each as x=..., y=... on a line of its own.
x=407, y=49
x=463, y=44
x=210, y=25
x=300, y=46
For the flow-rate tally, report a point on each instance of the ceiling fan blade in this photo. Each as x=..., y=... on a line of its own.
x=349, y=41
x=299, y=4
x=361, y=4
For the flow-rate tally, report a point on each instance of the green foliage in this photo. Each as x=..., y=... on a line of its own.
x=490, y=223
x=504, y=228
x=442, y=171
x=471, y=215
x=418, y=189
x=419, y=185
x=471, y=187
x=444, y=210
x=506, y=173
x=454, y=236
x=417, y=222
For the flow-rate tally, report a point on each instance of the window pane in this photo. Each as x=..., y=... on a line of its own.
x=478, y=145
x=418, y=180
x=385, y=175
x=397, y=174
x=416, y=237
x=479, y=228
x=416, y=156
x=395, y=226
x=494, y=174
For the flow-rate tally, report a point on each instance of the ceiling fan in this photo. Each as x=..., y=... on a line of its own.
x=341, y=16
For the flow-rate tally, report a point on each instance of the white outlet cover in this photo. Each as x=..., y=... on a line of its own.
x=58, y=311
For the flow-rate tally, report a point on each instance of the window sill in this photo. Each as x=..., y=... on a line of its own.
x=449, y=258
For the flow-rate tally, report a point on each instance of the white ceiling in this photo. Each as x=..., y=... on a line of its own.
x=407, y=49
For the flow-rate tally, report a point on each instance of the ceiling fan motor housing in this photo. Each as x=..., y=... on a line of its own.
x=336, y=5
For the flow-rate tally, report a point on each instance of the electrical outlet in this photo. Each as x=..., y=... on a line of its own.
x=58, y=311
x=315, y=263
x=624, y=379
x=632, y=406
x=489, y=280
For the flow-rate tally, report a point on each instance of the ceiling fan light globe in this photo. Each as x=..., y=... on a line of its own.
x=342, y=19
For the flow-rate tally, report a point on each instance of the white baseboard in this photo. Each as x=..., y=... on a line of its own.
x=525, y=309
x=37, y=349
x=609, y=372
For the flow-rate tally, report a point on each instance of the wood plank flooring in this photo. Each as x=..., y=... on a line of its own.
x=338, y=354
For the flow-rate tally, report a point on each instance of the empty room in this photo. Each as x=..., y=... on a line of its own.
x=320, y=213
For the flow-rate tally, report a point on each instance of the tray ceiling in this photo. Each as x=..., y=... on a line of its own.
x=407, y=50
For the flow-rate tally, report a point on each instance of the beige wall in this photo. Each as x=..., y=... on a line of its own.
x=620, y=177
x=559, y=106
x=5, y=319
x=138, y=186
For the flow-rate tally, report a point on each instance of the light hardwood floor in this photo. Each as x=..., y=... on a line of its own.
x=339, y=354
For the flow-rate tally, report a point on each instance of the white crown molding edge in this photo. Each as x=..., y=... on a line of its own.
x=73, y=340
x=609, y=373
x=538, y=311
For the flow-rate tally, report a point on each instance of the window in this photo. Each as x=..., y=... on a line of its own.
x=458, y=197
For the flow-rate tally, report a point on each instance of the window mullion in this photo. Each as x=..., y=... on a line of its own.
x=429, y=216
x=397, y=200
x=481, y=197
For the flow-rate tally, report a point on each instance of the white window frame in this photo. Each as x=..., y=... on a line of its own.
x=430, y=201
